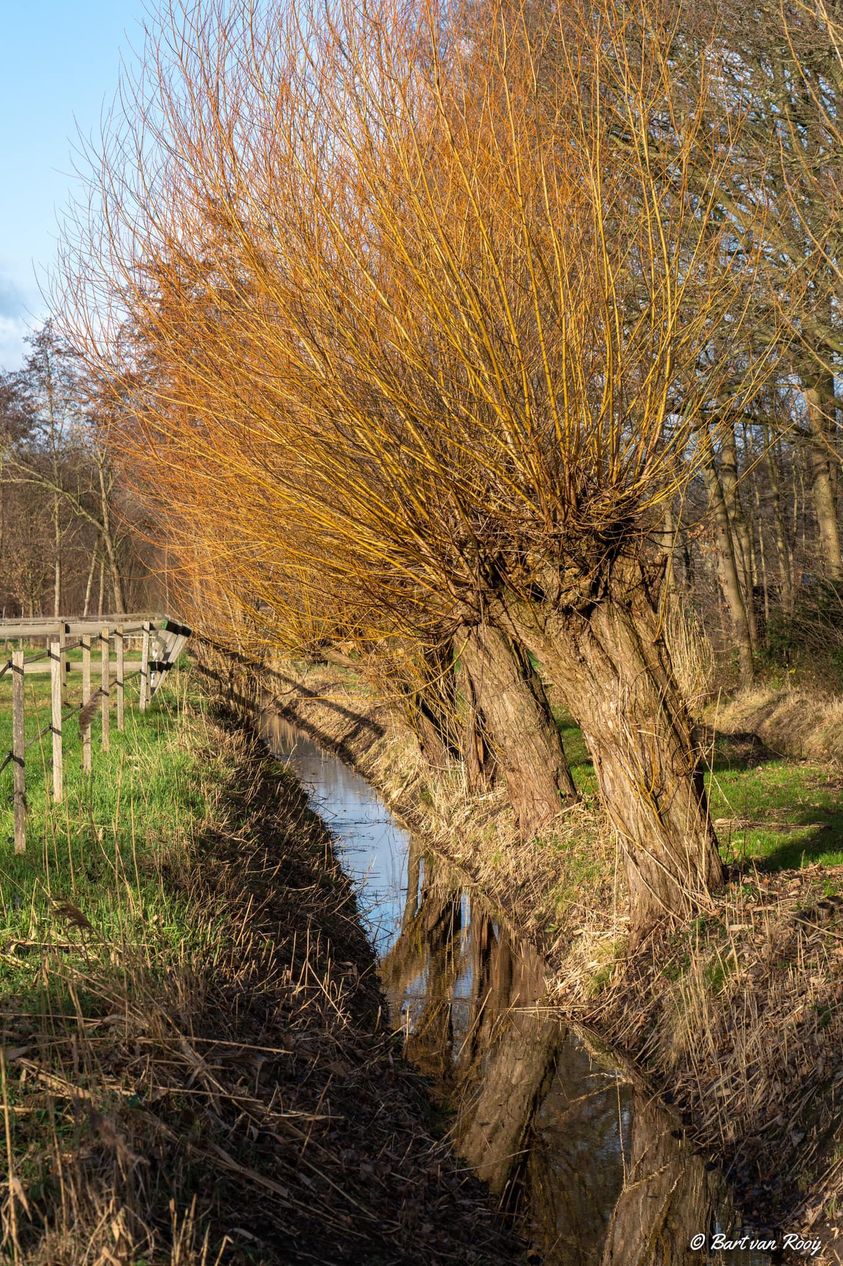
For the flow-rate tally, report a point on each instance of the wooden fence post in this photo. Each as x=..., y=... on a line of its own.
x=57, y=685
x=105, y=684
x=156, y=654
x=144, y=672
x=86, y=699
x=120, y=684
x=18, y=750
x=63, y=663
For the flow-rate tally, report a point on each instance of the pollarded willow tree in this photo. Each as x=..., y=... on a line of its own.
x=432, y=298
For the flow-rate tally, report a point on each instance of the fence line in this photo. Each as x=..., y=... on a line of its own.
x=18, y=749
x=165, y=637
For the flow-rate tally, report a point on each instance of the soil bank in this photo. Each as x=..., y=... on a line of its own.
x=235, y=1098
x=734, y=1020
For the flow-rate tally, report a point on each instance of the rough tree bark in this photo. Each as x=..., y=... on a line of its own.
x=822, y=485
x=523, y=734
x=729, y=573
x=478, y=757
x=611, y=663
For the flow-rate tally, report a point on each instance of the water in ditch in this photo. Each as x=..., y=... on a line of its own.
x=590, y=1171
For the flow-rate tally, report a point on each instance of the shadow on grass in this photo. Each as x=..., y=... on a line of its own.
x=291, y=692
x=825, y=839
x=777, y=813
x=171, y=1082
x=743, y=750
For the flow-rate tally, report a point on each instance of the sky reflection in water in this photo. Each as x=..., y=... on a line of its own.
x=592, y=1172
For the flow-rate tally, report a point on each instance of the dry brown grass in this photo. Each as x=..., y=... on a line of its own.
x=794, y=722
x=738, y=1018
x=236, y=1098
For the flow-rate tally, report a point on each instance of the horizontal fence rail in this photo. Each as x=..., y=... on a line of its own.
x=161, y=642
x=21, y=629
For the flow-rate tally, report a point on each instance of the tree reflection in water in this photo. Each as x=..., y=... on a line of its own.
x=591, y=1171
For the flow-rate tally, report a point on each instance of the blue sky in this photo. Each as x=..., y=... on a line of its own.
x=59, y=65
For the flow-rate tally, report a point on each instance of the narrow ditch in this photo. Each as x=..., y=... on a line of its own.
x=586, y=1168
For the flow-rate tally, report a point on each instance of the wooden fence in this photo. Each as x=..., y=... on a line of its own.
x=159, y=641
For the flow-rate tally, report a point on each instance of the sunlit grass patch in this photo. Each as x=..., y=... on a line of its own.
x=99, y=851
x=777, y=812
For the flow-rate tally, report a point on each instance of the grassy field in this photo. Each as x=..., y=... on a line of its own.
x=777, y=812
x=100, y=846
x=87, y=924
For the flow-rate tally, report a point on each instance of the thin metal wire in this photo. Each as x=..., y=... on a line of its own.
x=73, y=709
x=35, y=658
x=37, y=738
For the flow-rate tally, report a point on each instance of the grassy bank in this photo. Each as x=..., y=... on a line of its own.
x=736, y=1017
x=195, y=1068
x=794, y=721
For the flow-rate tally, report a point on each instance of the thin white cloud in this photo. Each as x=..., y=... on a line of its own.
x=13, y=330
x=11, y=300
x=16, y=321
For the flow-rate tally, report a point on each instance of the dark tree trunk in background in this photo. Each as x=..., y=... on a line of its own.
x=107, y=537
x=520, y=726
x=612, y=665
x=819, y=399
x=431, y=707
x=784, y=551
x=738, y=526
x=729, y=573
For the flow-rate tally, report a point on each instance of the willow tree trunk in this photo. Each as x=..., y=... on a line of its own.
x=519, y=725
x=478, y=757
x=612, y=665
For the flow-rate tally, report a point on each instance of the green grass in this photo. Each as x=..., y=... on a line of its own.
x=74, y=653
x=582, y=766
x=779, y=813
x=102, y=850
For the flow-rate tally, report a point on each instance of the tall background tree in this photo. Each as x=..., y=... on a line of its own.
x=71, y=539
